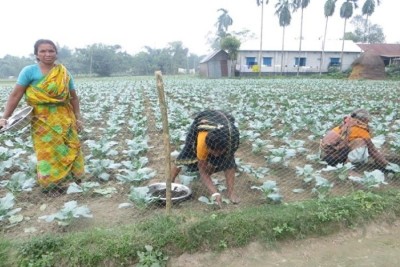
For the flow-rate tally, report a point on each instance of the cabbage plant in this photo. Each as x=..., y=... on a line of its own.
x=6, y=207
x=68, y=214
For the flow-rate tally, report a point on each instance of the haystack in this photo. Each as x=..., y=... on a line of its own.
x=368, y=66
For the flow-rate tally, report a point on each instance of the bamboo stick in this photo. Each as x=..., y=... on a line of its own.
x=167, y=149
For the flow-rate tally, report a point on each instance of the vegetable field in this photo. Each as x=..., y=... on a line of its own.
x=281, y=122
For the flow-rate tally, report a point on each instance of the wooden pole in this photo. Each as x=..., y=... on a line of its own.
x=167, y=149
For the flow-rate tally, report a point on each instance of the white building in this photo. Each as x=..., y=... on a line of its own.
x=308, y=61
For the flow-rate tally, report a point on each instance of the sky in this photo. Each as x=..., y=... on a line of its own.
x=135, y=24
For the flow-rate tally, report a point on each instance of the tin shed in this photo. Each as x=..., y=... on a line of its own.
x=214, y=65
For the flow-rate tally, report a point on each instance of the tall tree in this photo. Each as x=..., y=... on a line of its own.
x=231, y=44
x=329, y=9
x=179, y=55
x=375, y=32
x=300, y=4
x=346, y=11
x=367, y=9
x=224, y=20
x=260, y=3
x=283, y=13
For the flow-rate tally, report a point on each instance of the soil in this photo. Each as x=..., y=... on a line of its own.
x=376, y=245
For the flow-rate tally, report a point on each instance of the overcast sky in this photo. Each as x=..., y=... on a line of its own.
x=135, y=24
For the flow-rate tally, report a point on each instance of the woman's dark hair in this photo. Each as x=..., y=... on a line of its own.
x=217, y=139
x=361, y=114
x=43, y=41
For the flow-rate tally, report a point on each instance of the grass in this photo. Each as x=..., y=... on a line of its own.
x=216, y=230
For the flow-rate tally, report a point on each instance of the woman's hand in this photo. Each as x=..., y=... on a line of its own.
x=3, y=122
x=79, y=125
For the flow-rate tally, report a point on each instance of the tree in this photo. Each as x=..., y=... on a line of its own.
x=329, y=9
x=222, y=24
x=231, y=44
x=375, y=32
x=283, y=13
x=346, y=11
x=367, y=9
x=260, y=3
x=179, y=56
x=10, y=66
x=99, y=58
x=302, y=4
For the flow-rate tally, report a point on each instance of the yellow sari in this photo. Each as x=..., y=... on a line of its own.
x=54, y=132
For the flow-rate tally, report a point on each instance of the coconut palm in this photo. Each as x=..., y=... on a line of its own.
x=346, y=11
x=223, y=22
x=222, y=25
x=302, y=4
x=329, y=9
x=367, y=9
x=283, y=13
x=260, y=3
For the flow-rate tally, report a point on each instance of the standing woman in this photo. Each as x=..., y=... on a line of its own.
x=50, y=90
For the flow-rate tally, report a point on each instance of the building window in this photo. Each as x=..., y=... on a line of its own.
x=251, y=61
x=302, y=61
x=335, y=61
x=267, y=61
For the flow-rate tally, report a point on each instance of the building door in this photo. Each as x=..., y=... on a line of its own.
x=224, y=68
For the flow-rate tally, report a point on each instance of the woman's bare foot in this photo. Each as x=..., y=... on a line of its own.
x=234, y=199
x=217, y=198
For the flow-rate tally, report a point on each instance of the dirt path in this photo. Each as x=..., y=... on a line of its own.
x=374, y=245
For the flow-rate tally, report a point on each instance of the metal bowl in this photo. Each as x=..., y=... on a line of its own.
x=19, y=120
x=179, y=192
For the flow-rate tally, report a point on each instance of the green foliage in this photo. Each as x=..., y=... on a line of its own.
x=230, y=44
x=393, y=70
x=281, y=229
x=335, y=73
x=108, y=60
x=191, y=232
x=151, y=258
x=39, y=252
x=369, y=201
x=364, y=31
x=5, y=248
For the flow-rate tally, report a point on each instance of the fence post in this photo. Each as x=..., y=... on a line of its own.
x=167, y=153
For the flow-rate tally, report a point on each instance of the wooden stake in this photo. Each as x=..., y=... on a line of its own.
x=167, y=149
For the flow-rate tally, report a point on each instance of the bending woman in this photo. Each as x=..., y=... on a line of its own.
x=49, y=88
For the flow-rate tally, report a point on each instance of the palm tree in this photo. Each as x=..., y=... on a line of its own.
x=223, y=22
x=222, y=25
x=346, y=11
x=260, y=2
x=329, y=9
x=367, y=9
x=300, y=4
x=283, y=13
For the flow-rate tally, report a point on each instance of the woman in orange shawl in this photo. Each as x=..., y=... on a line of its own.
x=50, y=90
x=351, y=142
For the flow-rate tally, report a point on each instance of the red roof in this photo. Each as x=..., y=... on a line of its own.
x=383, y=50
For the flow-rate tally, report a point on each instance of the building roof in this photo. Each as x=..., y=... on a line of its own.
x=211, y=55
x=383, y=50
x=306, y=45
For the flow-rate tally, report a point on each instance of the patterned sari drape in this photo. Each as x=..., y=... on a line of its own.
x=54, y=132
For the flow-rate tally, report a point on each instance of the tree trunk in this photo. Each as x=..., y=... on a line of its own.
x=283, y=47
x=261, y=40
x=321, y=62
x=341, y=54
x=301, y=38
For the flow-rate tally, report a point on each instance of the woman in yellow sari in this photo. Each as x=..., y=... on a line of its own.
x=49, y=89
